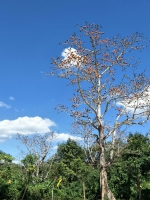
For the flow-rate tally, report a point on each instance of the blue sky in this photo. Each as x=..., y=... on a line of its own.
x=30, y=32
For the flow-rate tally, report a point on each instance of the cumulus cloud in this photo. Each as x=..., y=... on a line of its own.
x=67, y=54
x=138, y=104
x=66, y=136
x=63, y=137
x=24, y=125
x=11, y=98
x=2, y=104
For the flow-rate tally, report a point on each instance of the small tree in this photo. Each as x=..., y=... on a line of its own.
x=108, y=98
x=39, y=151
x=70, y=164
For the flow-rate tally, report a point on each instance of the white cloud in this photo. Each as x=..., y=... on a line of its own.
x=25, y=125
x=72, y=56
x=11, y=98
x=55, y=147
x=2, y=104
x=66, y=136
x=16, y=110
x=63, y=137
x=67, y=52
x=2, y=140
x=138, y=104
x=17, y=162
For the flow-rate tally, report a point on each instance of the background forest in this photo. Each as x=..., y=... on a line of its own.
x=70, y=174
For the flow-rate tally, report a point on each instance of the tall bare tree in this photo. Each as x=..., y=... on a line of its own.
x=110, y=95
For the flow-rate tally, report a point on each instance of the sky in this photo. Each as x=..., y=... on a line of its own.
x=30, y=32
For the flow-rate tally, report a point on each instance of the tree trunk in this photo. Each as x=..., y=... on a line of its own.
x=53, y=192
x=139, y=190
x=24, y=192
x=105, y=190
x=83, y=190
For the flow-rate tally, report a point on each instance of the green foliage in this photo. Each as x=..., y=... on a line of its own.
x=69, y=151
x=70, y=164
x=5, y=158
x=29, y=160
x=129, y=176
x=11, y=181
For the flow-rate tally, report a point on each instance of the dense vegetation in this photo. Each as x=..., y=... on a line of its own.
x=73, y=177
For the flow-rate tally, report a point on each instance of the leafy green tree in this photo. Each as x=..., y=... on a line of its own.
x=69, y=151
x=5, y=158
x=78, y=178
x=130, y=175
x=69, y=162
x=11, y=178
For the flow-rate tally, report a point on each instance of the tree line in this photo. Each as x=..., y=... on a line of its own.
x=69, y=173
